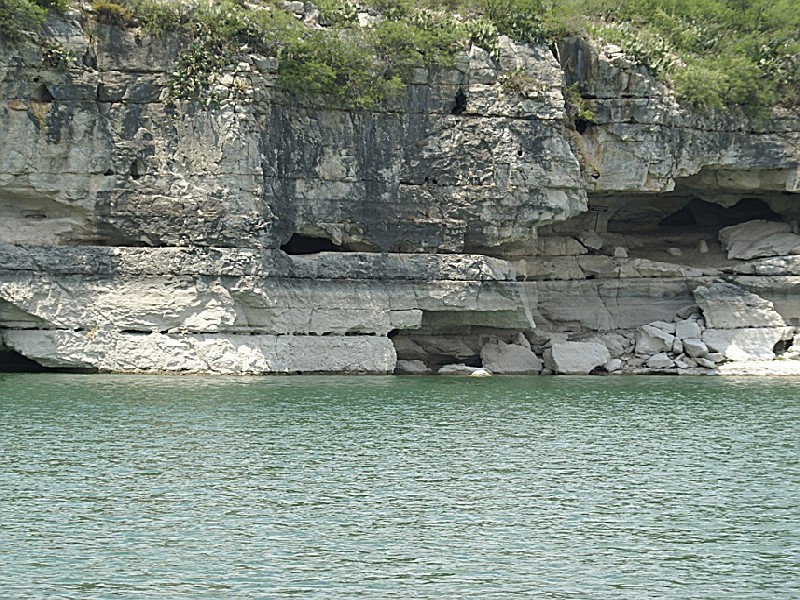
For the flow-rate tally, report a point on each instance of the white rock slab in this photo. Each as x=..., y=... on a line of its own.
x=737, y=239
x=660, y=361
x=458, y=369
x=481, y=373
x=777, y=244
x=728, y=306
x=746, y=344
x=510, y=359
x=575, y=358
x=652, y=340
x=687, y=328
x=118, y=352
x=761, y=368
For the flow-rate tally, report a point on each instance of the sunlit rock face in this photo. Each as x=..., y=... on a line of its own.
x=141, y=235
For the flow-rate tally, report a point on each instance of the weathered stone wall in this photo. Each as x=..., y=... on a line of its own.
x=139, y=235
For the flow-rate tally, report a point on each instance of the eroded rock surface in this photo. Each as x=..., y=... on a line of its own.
x=139, y=234
x=576, y=358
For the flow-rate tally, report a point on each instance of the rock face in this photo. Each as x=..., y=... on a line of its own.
x=139, y=234
x=576, y=358
x=237, y=311
x=727, y=306
x=758, y=239
x=747, y=344
x=510, y=359
x=652, y=339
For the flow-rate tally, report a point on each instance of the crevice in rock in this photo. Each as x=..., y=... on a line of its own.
x=14, y=362
x=699, y=213
x=305, y=244
x=42, y=94
x=461, y=103
x=137, y=168
x=782, y=346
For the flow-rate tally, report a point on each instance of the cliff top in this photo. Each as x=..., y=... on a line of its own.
x=716, y=55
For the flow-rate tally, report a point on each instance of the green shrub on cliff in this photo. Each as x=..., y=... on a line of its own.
x=716, y=54
x=359, y=67
x=112, y=13
x=19, y=17
x=325, y=68
x=342, y=64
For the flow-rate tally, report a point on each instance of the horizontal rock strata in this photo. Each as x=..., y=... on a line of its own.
x=144, y=234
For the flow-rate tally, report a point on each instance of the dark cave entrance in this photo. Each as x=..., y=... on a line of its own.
x=42, y=94
x=699, y=213
x=137, y=168
x=13, y=362
x=306, y=244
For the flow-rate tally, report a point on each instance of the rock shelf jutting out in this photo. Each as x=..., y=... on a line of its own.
x=138, y=234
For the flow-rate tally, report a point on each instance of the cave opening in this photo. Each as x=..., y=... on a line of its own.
x=699, y=213
x=449, y=338
x=14, y=362
x=305, y=244
x=137, y=168
x=782, y=346
x=461, y=103
x=438, y=349
x=42, y=94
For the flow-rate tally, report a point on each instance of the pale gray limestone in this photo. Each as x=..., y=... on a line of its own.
x=139, y=235
x=510, y=359
x=746, y=344
x=575, y=358
x=729, y=306
x=652, y=340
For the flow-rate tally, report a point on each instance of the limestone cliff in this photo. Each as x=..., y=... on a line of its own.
x=139, y=234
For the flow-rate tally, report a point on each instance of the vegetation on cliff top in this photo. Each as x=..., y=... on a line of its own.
x=715, y=54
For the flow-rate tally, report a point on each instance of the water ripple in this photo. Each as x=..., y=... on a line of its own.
x=142, y=487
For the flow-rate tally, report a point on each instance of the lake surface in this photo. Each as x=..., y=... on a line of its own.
x=388, y=487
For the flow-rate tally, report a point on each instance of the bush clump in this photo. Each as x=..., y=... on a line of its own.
x=112, y=13
x=18, y=18
x=716, y=54
x=340, y=64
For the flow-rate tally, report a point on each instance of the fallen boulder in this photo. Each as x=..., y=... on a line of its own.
x=410, y=367
x=510, y=359
x=687, y=329
x=746, y=344
x=695, y=347
x=652, y=340
x=660, y=361
x=738, y=239
x=575, y=358
x=728, y=306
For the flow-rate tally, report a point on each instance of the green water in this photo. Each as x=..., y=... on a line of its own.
x=385, y=487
